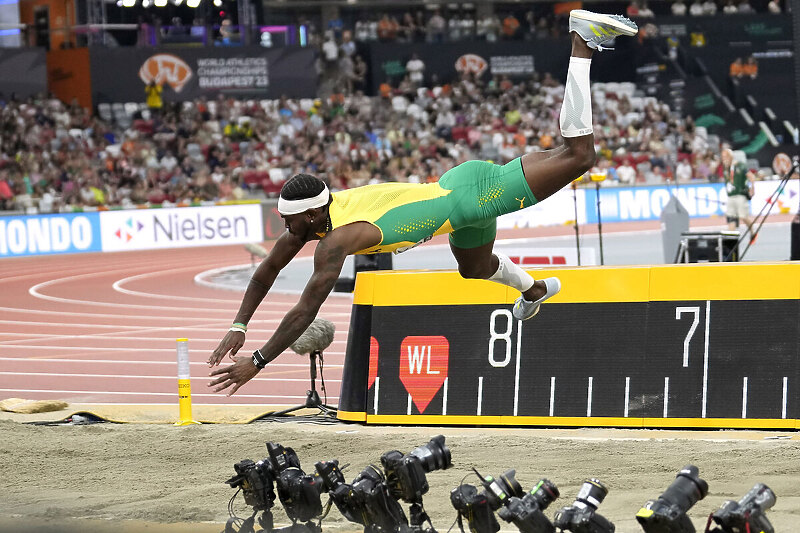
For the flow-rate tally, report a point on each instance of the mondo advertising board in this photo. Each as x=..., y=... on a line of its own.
x=49, y=234
x=180, y=227
x=623, y=204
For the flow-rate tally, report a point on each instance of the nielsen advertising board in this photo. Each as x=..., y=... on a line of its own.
x=49, y=234
x=180, y=227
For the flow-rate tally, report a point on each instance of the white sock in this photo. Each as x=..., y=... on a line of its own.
x=576, y=109
x=510, y=274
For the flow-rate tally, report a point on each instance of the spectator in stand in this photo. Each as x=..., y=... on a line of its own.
x=737, y=68
x=645, y=12
x=750, y=68
x=348, y=46
x=678, y=8
x=709, y=7
x=408, y=28
x=6, y=194
x=745, y=8
x=387, y=28
x=385, y=90
x=683, y=171
x=153, y=98
x=490, y=27
x=346, y=72
x=330, y=52
x=626, y=172
x=416, y=68
x=774, y=7
x=696, y=9
x=228, y=33
x=530, y=25
x=632, y=10
x=510, y=26
x=730, y=8
x=359, y=74
x=436, y=27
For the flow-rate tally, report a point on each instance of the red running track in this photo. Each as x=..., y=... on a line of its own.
x=101, y=328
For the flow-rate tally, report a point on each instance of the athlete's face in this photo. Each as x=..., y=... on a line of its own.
x=301, y=225
x=727, y=158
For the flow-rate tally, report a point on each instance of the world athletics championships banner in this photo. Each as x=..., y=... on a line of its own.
x=121, y=74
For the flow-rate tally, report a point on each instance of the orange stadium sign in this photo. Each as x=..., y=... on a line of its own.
x=166, y=68
x=471, y=63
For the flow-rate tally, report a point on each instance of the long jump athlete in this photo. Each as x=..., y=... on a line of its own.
x=465, y=203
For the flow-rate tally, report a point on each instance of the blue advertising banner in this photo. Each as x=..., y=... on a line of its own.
x=49, y=234
x=623, y=204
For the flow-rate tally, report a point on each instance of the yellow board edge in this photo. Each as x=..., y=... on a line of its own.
x=694, y=282
x=573, y=421
x=351, y=416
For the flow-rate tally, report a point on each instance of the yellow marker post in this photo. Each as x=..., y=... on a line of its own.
x=184, y=385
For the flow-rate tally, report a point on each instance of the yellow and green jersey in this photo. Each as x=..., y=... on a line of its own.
x=465, y=202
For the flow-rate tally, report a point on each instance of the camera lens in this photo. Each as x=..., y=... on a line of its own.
x=545, y=493
x=592, y=493
x=687, y=489
x=509, y=484
x=434, y=456
x=761, y=496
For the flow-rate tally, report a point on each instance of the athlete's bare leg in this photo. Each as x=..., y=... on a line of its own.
x=481, y=263
x=560, y=166
x=548, y=172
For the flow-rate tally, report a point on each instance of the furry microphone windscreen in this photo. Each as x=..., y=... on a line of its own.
x=316, y=338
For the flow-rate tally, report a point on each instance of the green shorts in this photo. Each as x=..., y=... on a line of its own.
x=483, y=191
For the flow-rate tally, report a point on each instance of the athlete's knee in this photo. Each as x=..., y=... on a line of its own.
x=583, y=155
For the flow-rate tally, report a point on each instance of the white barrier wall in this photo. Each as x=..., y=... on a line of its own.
x=138, y=229
x=180, y=227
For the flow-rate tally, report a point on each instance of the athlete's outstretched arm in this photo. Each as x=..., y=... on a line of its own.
x=286, y=247
x=328, y=260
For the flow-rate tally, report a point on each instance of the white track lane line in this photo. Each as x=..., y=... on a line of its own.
x=127, y=376
x=118, y=286
x=273, y=364
x=221, y=396
x=95, y=315
x=115, y=349
x=35, y=291
x=26, y=337
x=268, y=309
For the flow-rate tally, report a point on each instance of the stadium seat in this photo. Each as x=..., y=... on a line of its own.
x=104, y=110
x=131, y=108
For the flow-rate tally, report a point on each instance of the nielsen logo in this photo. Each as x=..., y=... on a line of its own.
x=175, y=227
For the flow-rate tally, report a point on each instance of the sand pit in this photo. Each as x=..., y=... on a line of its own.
x=125, y=478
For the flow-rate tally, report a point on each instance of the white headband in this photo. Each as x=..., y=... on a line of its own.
x=293, y=207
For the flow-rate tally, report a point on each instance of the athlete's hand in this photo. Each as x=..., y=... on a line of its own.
x=231, y=342
x=235, y=375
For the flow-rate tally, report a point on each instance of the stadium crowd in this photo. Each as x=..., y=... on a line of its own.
x=61, y=157
x=529, y=21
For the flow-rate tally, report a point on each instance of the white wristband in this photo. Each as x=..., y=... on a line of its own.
x=234, y=328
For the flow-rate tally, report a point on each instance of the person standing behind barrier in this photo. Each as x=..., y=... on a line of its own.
x=393, y=217
x=739, y=187
x=154, y=100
